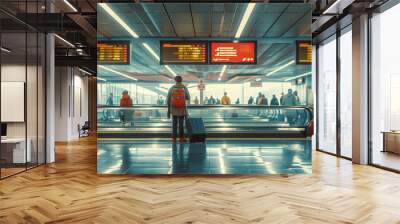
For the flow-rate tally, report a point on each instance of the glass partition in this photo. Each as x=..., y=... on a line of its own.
x=22, y=91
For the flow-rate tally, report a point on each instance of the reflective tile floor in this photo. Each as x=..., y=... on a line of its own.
x=212, y=157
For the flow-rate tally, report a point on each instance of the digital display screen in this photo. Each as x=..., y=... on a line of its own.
x=113, y=52
x=179, y=52
x=304, y=52
x=234, y=52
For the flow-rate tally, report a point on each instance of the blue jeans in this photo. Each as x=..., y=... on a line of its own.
x=177, y=120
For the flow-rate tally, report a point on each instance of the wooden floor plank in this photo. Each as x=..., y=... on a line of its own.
x=70, y=191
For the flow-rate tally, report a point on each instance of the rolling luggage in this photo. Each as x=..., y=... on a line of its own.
x=195, y=129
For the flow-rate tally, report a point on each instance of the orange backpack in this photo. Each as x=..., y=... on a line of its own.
x=178, y=98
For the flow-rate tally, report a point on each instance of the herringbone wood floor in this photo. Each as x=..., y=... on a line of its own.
x=70, y=191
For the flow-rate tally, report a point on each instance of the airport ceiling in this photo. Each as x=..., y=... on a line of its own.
x=275, y=27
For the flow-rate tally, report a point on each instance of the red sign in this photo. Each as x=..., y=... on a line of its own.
x=233, y=52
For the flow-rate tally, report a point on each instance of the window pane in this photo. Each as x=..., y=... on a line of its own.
x=346, y=94
x=327, y=97
x=386, y=88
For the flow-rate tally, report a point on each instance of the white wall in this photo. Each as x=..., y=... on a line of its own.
x=71, y=103
x=33, y=127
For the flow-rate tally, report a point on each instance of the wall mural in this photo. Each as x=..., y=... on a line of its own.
x=204, y=88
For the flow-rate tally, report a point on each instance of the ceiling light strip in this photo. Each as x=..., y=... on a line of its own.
x=299, y=76
x=331, y=7
x=118, y=19
x=64, y=40
x=245, y=18
x=280, y=68
x=5, y=50
x=222, y=72
x=84, y=71
x=152, y=52
x=101, y=79
x=70, y=5
x=117, y=72
x=155, y=55
x=170, y=70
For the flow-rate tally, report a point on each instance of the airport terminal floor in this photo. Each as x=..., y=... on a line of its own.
x=71, y=191
x=213, y=157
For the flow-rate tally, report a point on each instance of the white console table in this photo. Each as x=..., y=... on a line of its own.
x=18, y=149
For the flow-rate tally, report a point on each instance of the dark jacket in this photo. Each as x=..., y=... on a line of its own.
x=274, y=101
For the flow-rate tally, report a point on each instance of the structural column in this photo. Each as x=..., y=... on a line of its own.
x=50, y=99
x=360, y=90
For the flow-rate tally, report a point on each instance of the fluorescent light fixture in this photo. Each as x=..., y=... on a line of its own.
x=118, y=19
x=84, y=71
x=222, y=72
x=65, y=41
x=101, y=79
x=335, y=4
x=280, y=68
x=299, y=76
x=170, y=70
x=245, y=18
x=259, y=79
x=70, y=5
x=117, y=72
x=152, y=52
x=155, y=55
x=5, y=50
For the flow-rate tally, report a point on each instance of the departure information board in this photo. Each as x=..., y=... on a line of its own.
x=113, y=52
x=304, y=52
x=180, y=52
x=234, y=52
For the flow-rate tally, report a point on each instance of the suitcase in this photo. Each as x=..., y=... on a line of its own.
x=195, y=130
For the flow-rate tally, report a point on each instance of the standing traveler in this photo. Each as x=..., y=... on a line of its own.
x=250, y=101
x=177, y=97
x=211, y=100
x=125, y=101
x=206, y=101
x=109, y=102
x=281, y=98
x=258, y=98
x=296, y=97
x=274, y=101
x=225, y=100
x=290, y=100
x=237, y=101
x=196, y=101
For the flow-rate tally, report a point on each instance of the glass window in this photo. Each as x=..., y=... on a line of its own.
x=346, y=93
x=327, y=96
x=385, y=83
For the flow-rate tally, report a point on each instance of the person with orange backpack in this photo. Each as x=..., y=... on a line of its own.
x=178, y=96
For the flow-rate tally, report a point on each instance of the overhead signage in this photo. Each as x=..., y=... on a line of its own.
x=234, y=52
x=256, y=84
x=183, y=52
x=201, y=86
x=304, y=52
x=115, y=52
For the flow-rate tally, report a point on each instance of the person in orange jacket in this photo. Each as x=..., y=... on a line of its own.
x=125, y=101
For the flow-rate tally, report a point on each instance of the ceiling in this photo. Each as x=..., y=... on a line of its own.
x=275, y=27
